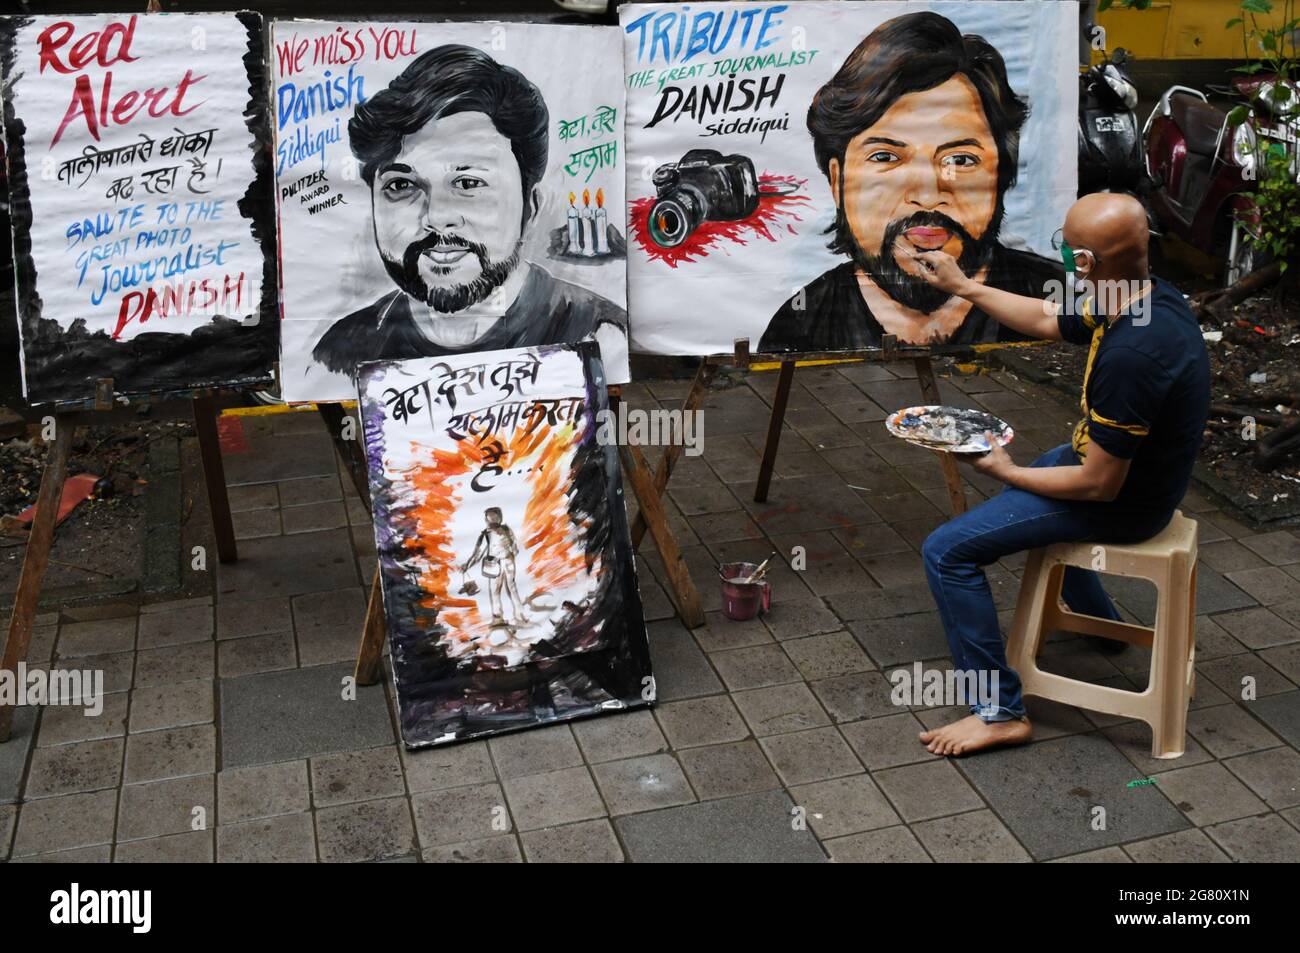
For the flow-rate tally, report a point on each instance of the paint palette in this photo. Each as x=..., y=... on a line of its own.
x=950, y=429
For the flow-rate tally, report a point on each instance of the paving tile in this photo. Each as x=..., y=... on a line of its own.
x=313, y=517
x=239, y=617
x=1133, y=739
x=887, y=742
x=1266, y=839
x=533, y=752
x=256, y=524
x=813, y=755
x=1273, y=775
x=8, y=818
x=69, y=769
x=1282, y=714
x=1267, y=586
x=1279, y=548
x=1243, y=676
x=719, y=632
x=1106, y=855
x=281, y=716
x=1046, y=792
x=792, y=619
x=502, y=849
x=1208, y=794
x=1284, y=658
x=449, y=766
x=318, y=489
x=1227, y=730
x=780, y=708
x=164, y=807
x=289, y=566
x=751, y=828
x=642, y=784
x=727, y=770
x=851, y=697
x=587, y=842
x=1182, y=847
x=553, y=798
x=454, y=815
x=329, y=625
x=191, y=624
x=252, y=496
x=367, y=830
x=922, y=791
x=62, y=823
x=102, y=854
x=14, y=752
x=843, y=806
x=902, y=640
x=190, y=847
x=756, y=667
x=170, y=753
x=66, y=724
x=356, y=776
x=257, y=654
x=889, y=845
x=174, y=663
x=701, y=721
x=827, y=656
x=100, y=637
x=1212, y=641
x=975, y=837
x=262, y=791
x=284, y=839
x=625, y=735
x=681, y=670
x=171, y=705
x=1256, y=628
x=282, y=457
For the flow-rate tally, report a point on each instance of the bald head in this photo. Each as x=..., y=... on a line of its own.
x=1114, y=227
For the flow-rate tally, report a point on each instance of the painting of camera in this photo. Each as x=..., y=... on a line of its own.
x=703, y=186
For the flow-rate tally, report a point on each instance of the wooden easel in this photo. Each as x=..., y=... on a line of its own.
x=650, y=515
x=40, y=540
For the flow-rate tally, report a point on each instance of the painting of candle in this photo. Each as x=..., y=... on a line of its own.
x=588, y=226
x=574, y=245
x=601, y=224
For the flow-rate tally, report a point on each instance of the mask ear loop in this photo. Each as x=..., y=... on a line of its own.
x=1067, y=257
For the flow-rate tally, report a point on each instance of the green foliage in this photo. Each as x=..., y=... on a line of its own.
x=1273, y=224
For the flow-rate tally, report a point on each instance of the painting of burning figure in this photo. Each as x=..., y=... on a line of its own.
x=505, y=559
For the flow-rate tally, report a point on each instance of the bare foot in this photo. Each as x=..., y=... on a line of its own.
x=973, y=734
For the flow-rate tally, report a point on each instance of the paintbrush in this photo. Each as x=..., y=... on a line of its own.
x=757, y=574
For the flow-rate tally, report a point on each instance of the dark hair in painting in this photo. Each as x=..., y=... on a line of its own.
x=910, y=54
x=493, y=515
x=445, y=81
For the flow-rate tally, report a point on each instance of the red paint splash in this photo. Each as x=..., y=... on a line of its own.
x=774, y=214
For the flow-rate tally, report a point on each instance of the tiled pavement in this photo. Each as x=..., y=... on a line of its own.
x=226, y=735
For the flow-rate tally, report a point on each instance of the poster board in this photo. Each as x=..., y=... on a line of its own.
x=446, y=188
x=938, y=125
x=505, y=561
x=136, y=149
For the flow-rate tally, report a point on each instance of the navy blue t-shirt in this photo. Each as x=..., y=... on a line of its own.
x=1146, y=393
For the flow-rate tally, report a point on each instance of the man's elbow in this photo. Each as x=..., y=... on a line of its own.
x=1105, y=489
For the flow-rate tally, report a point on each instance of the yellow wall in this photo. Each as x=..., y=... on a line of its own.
x=1182, y=29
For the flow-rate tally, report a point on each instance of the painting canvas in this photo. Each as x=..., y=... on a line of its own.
x=446, y=188
x=506, y=564
x=137, y=152
x=789, y=161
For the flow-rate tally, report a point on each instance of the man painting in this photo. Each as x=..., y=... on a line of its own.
x=453, y=151
x=918, y=135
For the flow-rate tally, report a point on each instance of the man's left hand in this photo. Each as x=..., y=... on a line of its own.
x=995, y=462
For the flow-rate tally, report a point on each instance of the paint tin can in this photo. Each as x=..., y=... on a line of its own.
x=743, y=600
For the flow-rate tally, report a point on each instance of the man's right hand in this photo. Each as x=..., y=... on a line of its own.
x=941, y=270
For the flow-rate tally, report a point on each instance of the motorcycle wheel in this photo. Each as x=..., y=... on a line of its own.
x=1243, y=258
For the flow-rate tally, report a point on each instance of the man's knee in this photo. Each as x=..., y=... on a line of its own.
x=936, y=547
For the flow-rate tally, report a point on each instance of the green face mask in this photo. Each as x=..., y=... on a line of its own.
x=1067, y=257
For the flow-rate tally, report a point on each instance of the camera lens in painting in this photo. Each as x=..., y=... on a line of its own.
x=671, y=221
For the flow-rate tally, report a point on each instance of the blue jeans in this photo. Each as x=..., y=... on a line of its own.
x=1010, y=522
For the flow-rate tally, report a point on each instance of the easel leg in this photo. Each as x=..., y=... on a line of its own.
x=673, y=452
x=930, y=393
x=37, y=557
x=214, y=477
x=774, y=424
x=371, y=653
x=349, y=451
x=651, y=507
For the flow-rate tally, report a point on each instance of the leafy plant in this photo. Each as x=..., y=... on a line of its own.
x=1273, y=223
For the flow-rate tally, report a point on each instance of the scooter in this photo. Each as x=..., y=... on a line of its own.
x=1203, y=170
x=1110, y=149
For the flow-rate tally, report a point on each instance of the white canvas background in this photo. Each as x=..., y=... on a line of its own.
x=330, y=266
x=701, y=307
